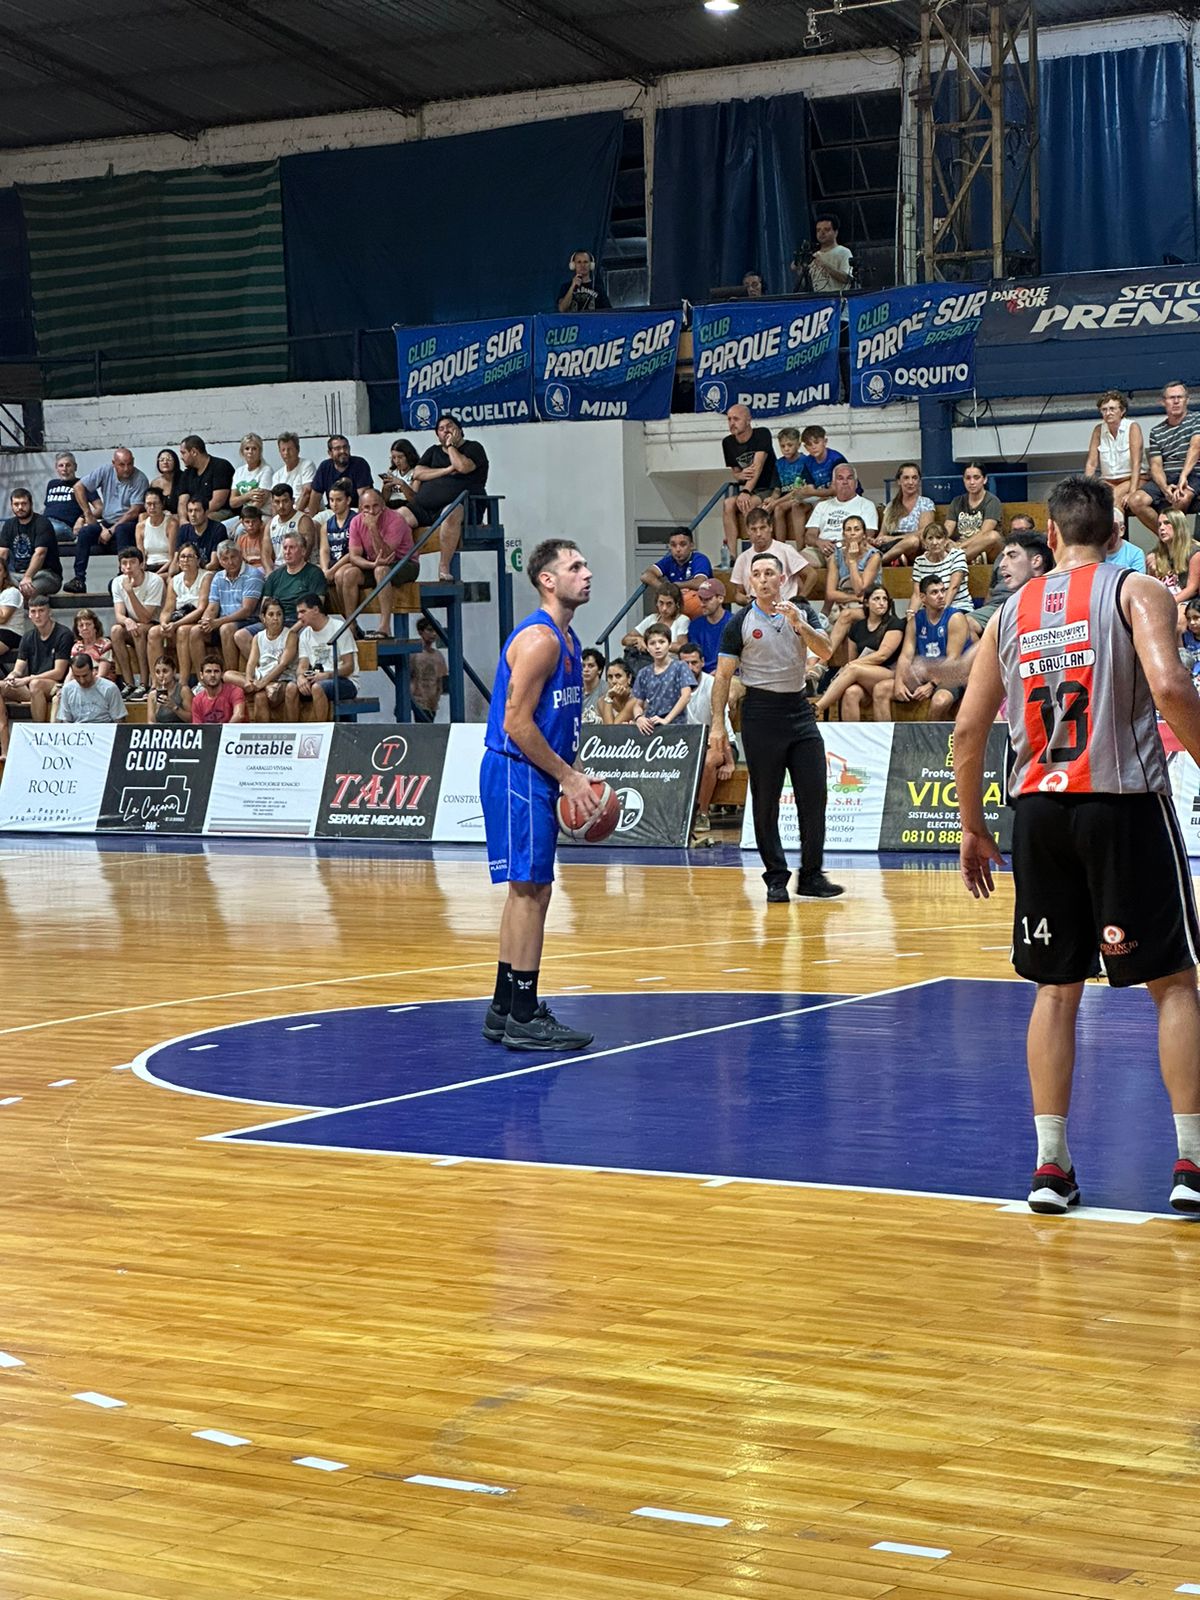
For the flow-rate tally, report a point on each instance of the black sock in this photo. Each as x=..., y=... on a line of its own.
x=502, y=999
x=524, y=996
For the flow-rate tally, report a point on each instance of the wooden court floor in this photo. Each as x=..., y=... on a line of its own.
x=816, y=1371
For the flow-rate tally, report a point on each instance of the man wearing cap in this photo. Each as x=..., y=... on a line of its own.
x=705, y=630
x=683, y=565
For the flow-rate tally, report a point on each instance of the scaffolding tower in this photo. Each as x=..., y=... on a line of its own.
x=977, y=96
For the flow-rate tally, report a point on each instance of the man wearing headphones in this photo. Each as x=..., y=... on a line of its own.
x=582, y=292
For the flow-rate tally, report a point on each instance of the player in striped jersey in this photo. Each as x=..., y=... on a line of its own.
x=1083, y=655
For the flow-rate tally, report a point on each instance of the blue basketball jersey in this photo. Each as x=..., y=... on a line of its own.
x=560, y=706
x=931, y=636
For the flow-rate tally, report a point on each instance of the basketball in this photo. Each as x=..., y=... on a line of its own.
x=596, y=827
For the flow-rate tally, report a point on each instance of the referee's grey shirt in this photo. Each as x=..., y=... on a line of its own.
x=771, y=654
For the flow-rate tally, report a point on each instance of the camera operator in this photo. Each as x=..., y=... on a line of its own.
x=581, y=292
x=829, y=268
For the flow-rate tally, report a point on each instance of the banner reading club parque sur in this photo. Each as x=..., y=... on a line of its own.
x=774, y=356
x=482, y=371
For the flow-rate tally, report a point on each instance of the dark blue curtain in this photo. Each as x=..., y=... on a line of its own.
x=730, y=195
x=445, y=230
x=17, y=342
x=1118, y=160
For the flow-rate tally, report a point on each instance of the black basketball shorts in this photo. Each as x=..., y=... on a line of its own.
x=1101, y=878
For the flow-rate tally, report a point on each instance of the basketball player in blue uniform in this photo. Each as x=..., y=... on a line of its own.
x=532, y=740
x=1083, y=656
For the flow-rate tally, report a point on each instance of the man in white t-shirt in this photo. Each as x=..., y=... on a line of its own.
x=295, y=471
x=824, y=527
x=318, y=680
x=796, y=564
x=830, y=269
x=286, y=519
x=137, y=597
x=86, y=698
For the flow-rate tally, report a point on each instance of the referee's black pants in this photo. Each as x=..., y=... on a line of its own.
x=781, y=738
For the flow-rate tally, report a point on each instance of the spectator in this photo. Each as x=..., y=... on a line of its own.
x=616, y=704
x=441, y=475
x=184, y=600
x=429, y=675
x=825, y=524
x=706, y=629
x=157, y=533
x=668, y=609
x=831, y=266
x=110, y=500
x=90, y=641
x=854, y=568
x=593, y=664
x=581, y=291
x=169, y=471
x=379, y=538
x=1174, y=454
x=1115, y=451
x=974, y=519
x=1189, y=636
x=286, y=519
x=788, y=505
x=137, y=597
x=29, y=549
x=233, y=600
x=270, y=667
x=326, y=661
x=946, y=561
x=339, y=463
x=204, y=477
x=818, y=463
x=1180, y=555
x=1122, y=552
x=683, y=565
x=170, y=701
x=753, y=285
x=85, y=697
x=296, y=472
x=293, y=577
x=252, y=479
x=253, y=542
x=662, y=690
x=12, y=610
x=1022, y=537
x=717, y=763
x=60, y=504
x=396, y=484
x=932, y=631
x=795, y=563
x=203, y=532
x=41, y=665
x=333, y=532
x=750, y=458
x=872, y=638
x=216, y=701
x=905, y=517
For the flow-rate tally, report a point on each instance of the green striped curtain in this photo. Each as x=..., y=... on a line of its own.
x=153, y=265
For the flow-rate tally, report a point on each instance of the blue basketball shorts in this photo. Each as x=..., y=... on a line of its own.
x=520, y=818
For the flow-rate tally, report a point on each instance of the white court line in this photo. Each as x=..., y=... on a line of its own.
x=568, y=988
x=60, y=1083
x=930, y=1552
x=1090, y=1213
x=320, y=1463
x=906, y=955
x=465, y=1485
x=692, y=1517
x=301, y=1027
x=104, y=1401
x=394, y=1011
x=448, y=1161
x=195, y=1049
x=830, y=961
x=12, y=1100
x=1188, y=1588
x=9, y=1361
x=659, y=979
x=715, y=1183
x=567, y=1061
x=215, y=1436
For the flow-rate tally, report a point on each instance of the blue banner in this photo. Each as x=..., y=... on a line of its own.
x=774, y=356
x=482, y=371
x=910, y=343
x=605, y=364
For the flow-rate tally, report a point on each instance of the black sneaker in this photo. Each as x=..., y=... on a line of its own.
x=1054, y=1191
x=543, y=1032
x=1185, y=1191
x=75, y=586
x=777, y=894
x=493, y=1025
x=816, y=886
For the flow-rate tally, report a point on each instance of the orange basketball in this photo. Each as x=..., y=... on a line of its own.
x=593, y=829
x=693, y=606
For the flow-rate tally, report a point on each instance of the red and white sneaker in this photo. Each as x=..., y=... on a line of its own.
x=1185, y=1187
x=1054, y=1191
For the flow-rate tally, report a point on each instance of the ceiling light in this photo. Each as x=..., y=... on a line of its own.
x=720, y=7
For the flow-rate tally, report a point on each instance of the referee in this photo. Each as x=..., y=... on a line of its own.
x=770, y=640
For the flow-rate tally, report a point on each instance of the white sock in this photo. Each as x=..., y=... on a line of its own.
x=1052, y=1141
x=1187, y=1132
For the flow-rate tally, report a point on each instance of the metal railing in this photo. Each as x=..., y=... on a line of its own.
x=605, y=635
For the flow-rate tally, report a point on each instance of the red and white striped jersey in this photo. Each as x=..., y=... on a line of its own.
x=1080, y=712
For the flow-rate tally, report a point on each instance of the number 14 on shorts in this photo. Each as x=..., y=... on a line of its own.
x=1042, y=931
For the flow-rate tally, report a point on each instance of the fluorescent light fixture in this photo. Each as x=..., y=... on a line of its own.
x=720, y=7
